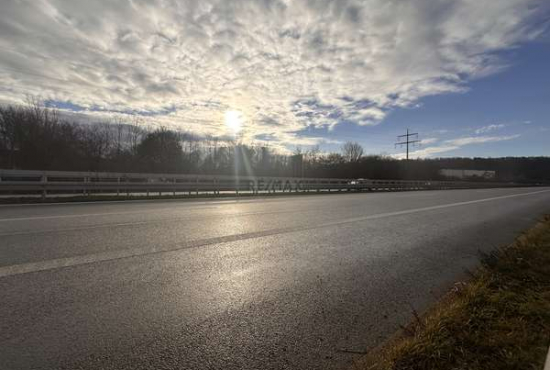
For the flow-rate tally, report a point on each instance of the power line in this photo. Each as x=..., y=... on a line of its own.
x=405, y=140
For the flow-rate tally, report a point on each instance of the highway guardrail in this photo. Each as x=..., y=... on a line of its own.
x=48, y=183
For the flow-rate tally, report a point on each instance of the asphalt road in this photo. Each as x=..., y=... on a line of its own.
x=279, y=283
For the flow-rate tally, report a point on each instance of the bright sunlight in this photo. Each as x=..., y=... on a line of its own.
x=234, y=121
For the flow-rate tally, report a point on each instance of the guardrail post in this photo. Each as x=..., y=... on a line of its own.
x=86, y=190
x=118, y=186
x=44, y=180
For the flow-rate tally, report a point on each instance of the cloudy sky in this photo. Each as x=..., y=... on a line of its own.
x=472, y=77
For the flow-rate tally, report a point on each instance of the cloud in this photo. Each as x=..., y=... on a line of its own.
x=479, y=140
x=440, y=132
x=429, y=151
x=457, y=143
x=286, y=65
x=429, y=140
x=489, y=128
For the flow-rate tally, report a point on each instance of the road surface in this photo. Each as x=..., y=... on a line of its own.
x=296, y=282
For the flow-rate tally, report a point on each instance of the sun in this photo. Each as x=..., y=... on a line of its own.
x=234, y=121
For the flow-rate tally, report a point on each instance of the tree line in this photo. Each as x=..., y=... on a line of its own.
x=39, y=138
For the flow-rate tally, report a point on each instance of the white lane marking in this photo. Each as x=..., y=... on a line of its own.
x=191, y=204
x=264, y=197
x=71, y=229
x=431, y=208
x=126, y=253
x=149, y=222
x=31, y=218
x=129, y=201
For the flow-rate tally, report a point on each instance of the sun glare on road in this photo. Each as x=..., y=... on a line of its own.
x=234, y=121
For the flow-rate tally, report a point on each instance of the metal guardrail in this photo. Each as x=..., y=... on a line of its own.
x=46, y=183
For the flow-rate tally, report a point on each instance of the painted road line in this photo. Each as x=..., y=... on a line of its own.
x=134, y=252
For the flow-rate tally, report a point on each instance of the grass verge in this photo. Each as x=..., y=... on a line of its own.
x=499, y=319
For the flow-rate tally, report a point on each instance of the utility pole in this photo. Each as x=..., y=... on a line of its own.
x=406, y=140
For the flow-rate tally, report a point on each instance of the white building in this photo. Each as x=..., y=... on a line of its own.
x=464, y=174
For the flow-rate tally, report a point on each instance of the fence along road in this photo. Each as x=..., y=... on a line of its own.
x=44, y=183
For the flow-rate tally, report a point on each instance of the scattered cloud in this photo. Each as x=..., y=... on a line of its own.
x=428, y=151
x=457, y=143
x=479, y=139
x=440, y=132
x=429, y=140
x=489, y=128
x=285, y=65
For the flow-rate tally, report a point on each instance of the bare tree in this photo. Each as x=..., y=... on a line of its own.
x=119, y=128
x=97, y=142
x=135, y=135
x=352, y=151
x=35, y=136
x=10, y=119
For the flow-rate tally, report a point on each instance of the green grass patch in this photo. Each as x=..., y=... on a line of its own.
x=499, y=319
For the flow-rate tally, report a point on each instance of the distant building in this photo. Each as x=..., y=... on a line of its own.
x=467, y=174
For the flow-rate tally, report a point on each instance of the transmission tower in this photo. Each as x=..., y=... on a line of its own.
x=406, y=140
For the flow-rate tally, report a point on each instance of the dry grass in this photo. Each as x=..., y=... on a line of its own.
x=500, y=319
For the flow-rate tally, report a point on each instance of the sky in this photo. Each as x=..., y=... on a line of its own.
x=471, y=77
